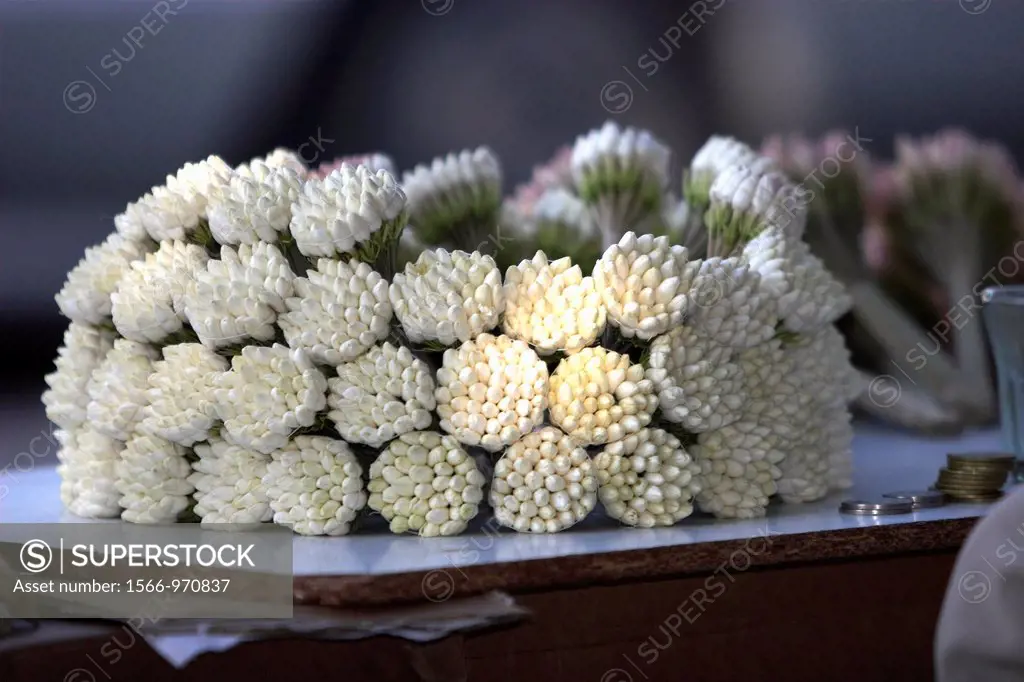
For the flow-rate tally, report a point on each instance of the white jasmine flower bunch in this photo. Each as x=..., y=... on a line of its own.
x=374, y=162
x=552, y=306
x=129, y=224
x=599, y=396
x=729, y=303
x=67, y=398
x=246, y=315
x=621, y=174
x=818, y=456
x=353, y=212
x=718, y=154
x=383, y=394
x=455, y=200
x=270, y=393
x=745, y=199
x=739, y=469
x=562, y=225
x=806, y=295
x=255, y=204
x=283, y=158
x=87, y=471
x=426, y=483
x=117, y=389
x=228, y=482
x=544, y=483
x=315, y=486
x=698, y=384
x=339, y=310
x=238, y=297
x=645, y=284
x=152, y=477
x=647, y=479
x=177, y=210
x=148, y=305
x=179, y=398
x=491, y=391
x=86, y=295
x=446, y=298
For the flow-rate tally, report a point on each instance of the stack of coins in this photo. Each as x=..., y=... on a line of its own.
x=975, y=477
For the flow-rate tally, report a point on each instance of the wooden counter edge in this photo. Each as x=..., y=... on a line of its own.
x=441, y=584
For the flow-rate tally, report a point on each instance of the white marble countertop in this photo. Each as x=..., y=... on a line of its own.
x=884, y=461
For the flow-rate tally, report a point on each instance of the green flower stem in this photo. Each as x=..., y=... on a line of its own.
x=298, y=261
x=380, y=252
x=203, y=236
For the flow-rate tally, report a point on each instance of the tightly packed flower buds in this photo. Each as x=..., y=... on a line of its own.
x=739, y=467
x=130, y=224
x=491, y=391
x=268, y=394
x=448, y=297
x=748, y=199
x=807, y=296
x=697, y=383
x=552, y=306
x=647, y=479
x=239, y=296
x=315, y=486
x=598, y=396
x=823, y=382
x=373, y=162
x=85, y=297
x=84, y=349
x=730, y=306
x=557, y=206
x=385, y=393
x=425, y=483
x=543, y=484
x=179, y=400
x=339, y=310
x=644, y=284
x=229, y=484
x=351, y=211
x=717, y=154
x=244, y=354
x=117, y=389
x=152, y=477
x=87, y=471
x=255, y=205
x=456, y=198
x=149, y=303
x=613, y=159
x=284, y=158
x=622, y=173
x=176, y=210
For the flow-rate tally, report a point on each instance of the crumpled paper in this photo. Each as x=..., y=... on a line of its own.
x=181, y=641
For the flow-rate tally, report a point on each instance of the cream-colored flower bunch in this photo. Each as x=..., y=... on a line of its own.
x=544, y=483
x=240, y=341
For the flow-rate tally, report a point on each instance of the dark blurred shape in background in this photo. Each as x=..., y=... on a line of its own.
x=100, y=100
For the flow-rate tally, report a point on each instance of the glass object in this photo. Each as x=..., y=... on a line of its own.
x=1003, y=312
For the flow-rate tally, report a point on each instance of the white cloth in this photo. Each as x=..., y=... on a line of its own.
x=981, y=628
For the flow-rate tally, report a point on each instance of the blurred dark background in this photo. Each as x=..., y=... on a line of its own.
x=99, y=99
